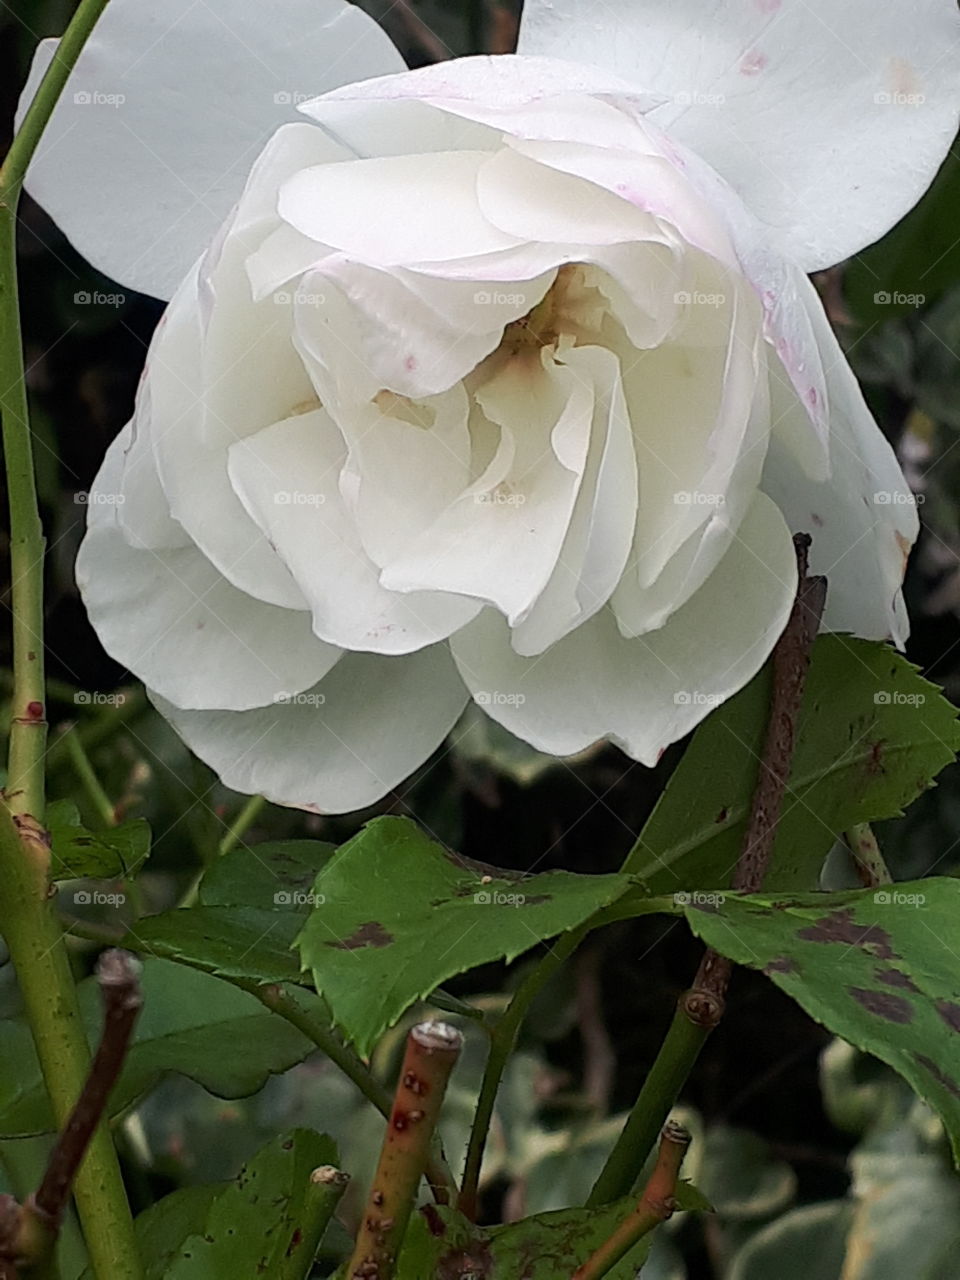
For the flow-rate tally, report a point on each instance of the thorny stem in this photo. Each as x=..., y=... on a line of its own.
x=702, y=1007
x=280, y=1002
x=324, y=1194
x=431, y=1054
x=657, y=1204
x=27, y=919
x=867, y=856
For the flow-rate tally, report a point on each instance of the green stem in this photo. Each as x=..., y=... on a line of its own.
x=101, y=802
x=503, y=1040
x=689, y=1031
x=241, y=824
x=280, y=1002
x=35, y=940
x=27, y=916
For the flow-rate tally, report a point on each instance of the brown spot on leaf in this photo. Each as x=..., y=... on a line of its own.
x=883, y=1004
x=896, y=978
x=371, y=934
x=722, y=815
x=536, y=900
x=474, y=1263
x=950, y=1013
x=781, y=964
x=294, y=1242
x=840, y=926
x=875, y=765
x=941, y=1077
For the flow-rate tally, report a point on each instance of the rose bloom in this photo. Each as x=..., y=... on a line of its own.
x=491, y=385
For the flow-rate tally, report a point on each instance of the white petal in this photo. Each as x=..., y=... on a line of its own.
x=417, y=335
x=600, y=535
x=643, y=693
x=863, y=520
x=169, y=617
x=341, y=746
x=374, y=209
x=166, y=111
x=500, y=540
x=830, y=117
x=190, y=453
x=288, y=478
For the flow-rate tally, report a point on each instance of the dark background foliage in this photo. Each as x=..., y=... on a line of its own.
x=595, y=1033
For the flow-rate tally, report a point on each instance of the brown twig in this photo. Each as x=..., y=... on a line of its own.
x=421, y=34
x=702, y=1007
x=657, y=1204
x=28, y=1232
x=118, y=975
x=432, y=1051
x=791, y=664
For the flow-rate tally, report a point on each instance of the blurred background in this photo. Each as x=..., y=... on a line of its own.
x=807, y=1149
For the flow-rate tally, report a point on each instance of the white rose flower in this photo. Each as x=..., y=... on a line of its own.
x=503, y=379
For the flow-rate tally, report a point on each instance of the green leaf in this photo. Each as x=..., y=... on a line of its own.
x=878, y=967
x=257, y=1224
x=397, y=915
x=274, y=876
x=76, y=852
x=233, y=942
x=915, y=262
x=872, y=736
x=191, y=1023
x=806, y=1244
x=439, y=1242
